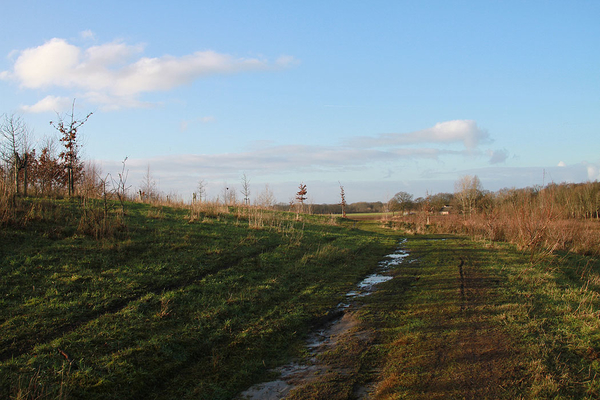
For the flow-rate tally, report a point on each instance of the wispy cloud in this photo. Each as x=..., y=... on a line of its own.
x=458, y=131
x=266, y=158
x=498, y=156
x=48, y=103
x=116, y=74
x=267, y=161
x=87, y=34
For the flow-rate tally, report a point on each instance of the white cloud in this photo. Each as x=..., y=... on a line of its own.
x=49, y=103
x=52, y=64
x=458, y=131
x=108, y=73
x=561, y=164
x=593, y=171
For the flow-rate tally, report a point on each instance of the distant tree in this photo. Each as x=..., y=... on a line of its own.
x=440, y=200
x=343, y=200
x=402, y=201
x=14, y=148
x=121, y=186
x=266, y=198
x=246, y=189
x=420, y=203
x=148, y=189
x=229, y=195
x=301, y=194
x=67, y=126
x=201, y=190
x=299, y=199
x=467, y=191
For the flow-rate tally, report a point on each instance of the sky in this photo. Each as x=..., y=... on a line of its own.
x=379, y=97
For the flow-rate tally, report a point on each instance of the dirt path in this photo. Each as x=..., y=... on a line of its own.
x=448, y=342
x=432, y=332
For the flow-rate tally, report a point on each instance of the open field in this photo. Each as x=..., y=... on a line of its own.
x=168, y=308
x=205, y=303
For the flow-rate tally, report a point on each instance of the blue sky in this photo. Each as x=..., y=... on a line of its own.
x=381, y=96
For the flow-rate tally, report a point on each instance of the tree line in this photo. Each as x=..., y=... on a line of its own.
x=47, y=170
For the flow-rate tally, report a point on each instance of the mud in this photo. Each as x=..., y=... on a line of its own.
x=295, y=375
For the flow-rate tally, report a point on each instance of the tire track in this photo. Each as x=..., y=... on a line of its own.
x=15, y=347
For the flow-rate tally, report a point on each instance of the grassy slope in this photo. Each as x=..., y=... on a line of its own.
x=170, y=309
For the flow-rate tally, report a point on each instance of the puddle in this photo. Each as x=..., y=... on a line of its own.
x=368, y=285
x=294, y=375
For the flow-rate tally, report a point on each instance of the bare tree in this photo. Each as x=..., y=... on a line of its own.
x=343, y=200
x=468, y=190
x=266, y=198
x=121, y=187
x=246, y=189
x=70, y=155
x=14, y=148
x=229, y=195
x=201, y=190
x=148, y=188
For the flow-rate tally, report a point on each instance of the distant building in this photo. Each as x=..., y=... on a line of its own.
x=446, y=210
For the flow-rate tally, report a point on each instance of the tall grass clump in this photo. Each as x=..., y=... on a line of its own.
x=206, y=209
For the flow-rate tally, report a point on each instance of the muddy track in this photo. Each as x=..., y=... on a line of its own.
x=455, y=351
x=462, y=353
x=17, y=348
x=336, y=346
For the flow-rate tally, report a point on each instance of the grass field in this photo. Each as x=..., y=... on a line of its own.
x=167, y=308
x=203, y=304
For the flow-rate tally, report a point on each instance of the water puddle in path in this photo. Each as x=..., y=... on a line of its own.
x=294, y=374
x=367, y=285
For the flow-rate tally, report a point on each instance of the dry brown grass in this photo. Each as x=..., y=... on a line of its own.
x=535, y=230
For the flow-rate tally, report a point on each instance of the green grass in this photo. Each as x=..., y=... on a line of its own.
x=174, y=304
x=165, y=308
x=506, y=329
